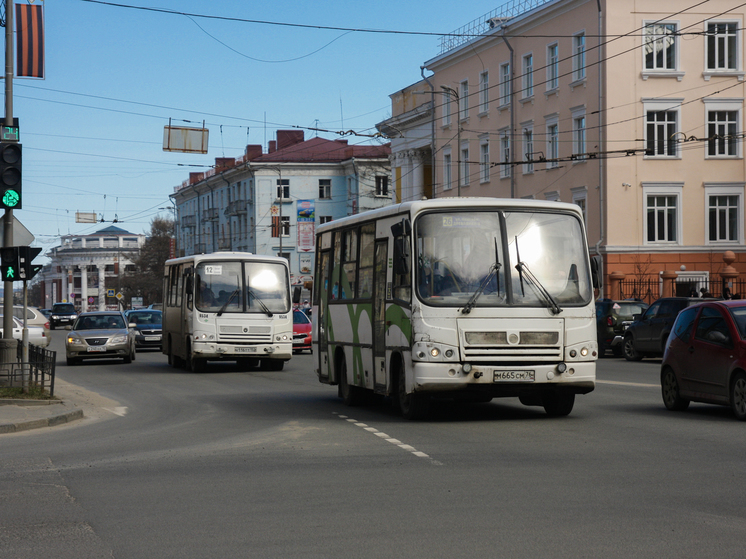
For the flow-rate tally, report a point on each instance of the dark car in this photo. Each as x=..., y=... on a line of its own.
x=647, y=335
x=705, y=357
x=148, y=327
x=612, y=319
x=62, y=315
x=301, y=332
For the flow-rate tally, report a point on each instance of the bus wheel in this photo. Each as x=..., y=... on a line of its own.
x=414, y=405
x=558, y=404
x=273, y=364
x=352, y=395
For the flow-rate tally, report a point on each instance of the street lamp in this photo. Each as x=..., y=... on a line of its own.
x=453, y=93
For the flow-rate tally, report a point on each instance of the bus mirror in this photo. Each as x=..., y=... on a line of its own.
x=189, y=288
x=596, y=271
x=403, y=228
x=296, y=294
x=401, y=256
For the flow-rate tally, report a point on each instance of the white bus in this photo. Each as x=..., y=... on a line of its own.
x=464, y=298
x=232, y=306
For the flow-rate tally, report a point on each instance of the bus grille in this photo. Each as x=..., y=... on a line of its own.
x=526, y=344
x=236, y=333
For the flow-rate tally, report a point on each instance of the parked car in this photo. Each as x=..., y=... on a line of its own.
x=100, y=334
x=612, y=319
x=148, y=327
x=301, y=332
x=705, y=357
x=37, y=335
x=62, y=315
x=46, y=312
x=647, y=335
x=34, y=317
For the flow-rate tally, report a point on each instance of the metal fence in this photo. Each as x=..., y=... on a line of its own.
x=649, y=289
x=39, y=369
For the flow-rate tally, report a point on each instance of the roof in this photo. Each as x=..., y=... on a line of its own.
x=324, y=151
x=112, y=230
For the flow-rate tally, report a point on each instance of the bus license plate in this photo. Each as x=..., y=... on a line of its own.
x=245, y=350
x=513, y=376
x=97, y=349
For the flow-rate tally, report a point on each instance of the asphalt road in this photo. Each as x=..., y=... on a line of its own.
x=234, y=464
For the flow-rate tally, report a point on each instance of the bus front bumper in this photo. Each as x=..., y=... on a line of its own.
x=212, y=350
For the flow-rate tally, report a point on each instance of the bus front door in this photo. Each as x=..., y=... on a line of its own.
x=379, y=315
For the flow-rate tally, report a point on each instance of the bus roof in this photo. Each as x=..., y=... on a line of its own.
x=227, y=256
x=417, y=206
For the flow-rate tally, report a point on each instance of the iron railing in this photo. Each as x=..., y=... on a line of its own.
x=40, y=368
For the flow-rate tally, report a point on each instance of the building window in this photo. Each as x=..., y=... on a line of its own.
x=446, y=109
x=578, y=59
x=325, y=188
x=578, y=136
x=663, y=212
x=484, y=92
x=447, y=171
x=552, y=145
x=505, y=84
x=285, y=220
x=659, y=49
x=661, y=126
x=528, y=150
x=505, y=168
x=382, y=186
x=579, y=198
x=722, y=46
x=722, y=131
x=552, y=67
x=324, y=219
x=283, y=189
x=528, y=76
x=723, y=218
x=484, y=160
x=464, y=166
x=463, y=100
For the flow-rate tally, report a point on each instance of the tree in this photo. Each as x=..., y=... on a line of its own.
x=147, y=279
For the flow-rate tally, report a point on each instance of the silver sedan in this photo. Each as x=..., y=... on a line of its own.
x=100, y=335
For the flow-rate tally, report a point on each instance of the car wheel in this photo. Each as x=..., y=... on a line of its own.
x=71, y=361
x=617, y=351
x=628, y=347
x=128, y=357
x=351, y=395
x=670, y=391
x=134, y=352
x=738, y=396
x=558, y=404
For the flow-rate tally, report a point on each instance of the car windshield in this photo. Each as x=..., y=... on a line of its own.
x=501, y=258
x=100, y=322
x=739, y=317
x=299, y=317
x=64, y=308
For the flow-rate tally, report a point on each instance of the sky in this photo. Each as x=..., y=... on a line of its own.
x=116, y=74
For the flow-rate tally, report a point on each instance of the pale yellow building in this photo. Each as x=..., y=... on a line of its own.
x=632, y=110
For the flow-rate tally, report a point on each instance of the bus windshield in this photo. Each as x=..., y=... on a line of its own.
x=241, y=287
x=501, y=258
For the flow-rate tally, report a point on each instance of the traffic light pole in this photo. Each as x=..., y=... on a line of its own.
x=8, y=344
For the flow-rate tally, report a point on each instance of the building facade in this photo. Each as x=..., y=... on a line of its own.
x=83, y=268
x=270, y=203
x=632, y=110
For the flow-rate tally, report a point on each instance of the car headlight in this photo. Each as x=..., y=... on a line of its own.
x=118, y=339
x=74, y=341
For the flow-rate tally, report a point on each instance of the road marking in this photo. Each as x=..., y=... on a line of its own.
x=628, y=383
x=384, y=436
x=120, y=411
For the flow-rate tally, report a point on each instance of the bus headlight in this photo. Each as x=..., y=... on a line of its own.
x=282, y=338
x=435, y=352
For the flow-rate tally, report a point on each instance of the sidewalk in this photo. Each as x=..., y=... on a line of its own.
x=74, y=402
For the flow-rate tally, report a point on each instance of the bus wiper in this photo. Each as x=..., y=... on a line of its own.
x=225, y=305
x=534, y=282
x=258, y=300
x=494, y=269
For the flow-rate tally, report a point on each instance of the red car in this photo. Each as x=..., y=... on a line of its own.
x=705, y=357
x=301, y=332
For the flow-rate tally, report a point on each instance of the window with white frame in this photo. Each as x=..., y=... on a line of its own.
x=484, y=92
x=285, y=225
x=505, y=86
x=578, y=135
x=464, y=100
x=447, y=171
x=580, y=199
x=552, y=67
x=505, y=167
x=578, y=58
x=464, y=165
x=723, y=127
x=722, y=45
x=528, y=76
x=662, y=117
x=663, y=213
x=528, y=150
x=446, y=109
x=724, y=211
x=552, y=143
x=325, y=188
x=283, y=189
x=382, y=185
x=484, y=161
x=660, y=42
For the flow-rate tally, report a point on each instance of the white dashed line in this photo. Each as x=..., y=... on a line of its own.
x=388, y=439
x=619, y=383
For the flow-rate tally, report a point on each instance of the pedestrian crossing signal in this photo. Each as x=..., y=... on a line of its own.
x=10, y=264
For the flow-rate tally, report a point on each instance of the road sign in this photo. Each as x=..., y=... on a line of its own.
x=120, y=296
x=21, y=235
x=110, y=293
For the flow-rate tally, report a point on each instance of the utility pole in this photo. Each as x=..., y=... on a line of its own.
x=8, y=345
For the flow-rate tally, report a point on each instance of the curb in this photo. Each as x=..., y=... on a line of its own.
x=39, y=423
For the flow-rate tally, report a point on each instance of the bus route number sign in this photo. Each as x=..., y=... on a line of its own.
x=213, y=270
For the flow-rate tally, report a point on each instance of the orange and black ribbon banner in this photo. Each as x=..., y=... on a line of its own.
x=30, y=41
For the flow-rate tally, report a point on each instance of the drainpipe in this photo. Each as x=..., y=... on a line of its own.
x=601, y=181
x=212, y=224
x=512, y=110
x=230, y=228
x=432, y=133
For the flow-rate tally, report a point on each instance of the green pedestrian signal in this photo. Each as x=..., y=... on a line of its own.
x=9, y=264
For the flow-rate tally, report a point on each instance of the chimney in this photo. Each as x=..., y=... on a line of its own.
x=194, y=178
x=286, y=138
x=223, y=163
x=272, y=146
x=253, y=151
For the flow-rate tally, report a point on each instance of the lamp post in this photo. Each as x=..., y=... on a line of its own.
x=453, y=93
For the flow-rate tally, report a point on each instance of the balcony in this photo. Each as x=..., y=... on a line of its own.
x=210, y=214
x=224, y=244
x=189, y=221
x=200, y=248
x=236, y=207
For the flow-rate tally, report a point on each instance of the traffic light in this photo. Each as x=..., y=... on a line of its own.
x=10, y=264
x=27, y=269
x=10, y=175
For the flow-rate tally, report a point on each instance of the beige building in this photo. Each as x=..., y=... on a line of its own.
x=632, y=110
